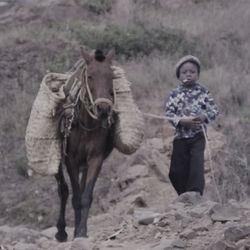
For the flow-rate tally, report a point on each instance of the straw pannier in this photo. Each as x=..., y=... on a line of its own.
x=43, y=144
x=129, y=128
x=42, y=141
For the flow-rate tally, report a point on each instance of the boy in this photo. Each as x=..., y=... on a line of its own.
x=189, y=108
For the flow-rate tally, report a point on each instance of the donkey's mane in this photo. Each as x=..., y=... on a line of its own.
x=99, y=56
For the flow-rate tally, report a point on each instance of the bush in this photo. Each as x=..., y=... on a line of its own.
x=135, y=40
x=98, y=6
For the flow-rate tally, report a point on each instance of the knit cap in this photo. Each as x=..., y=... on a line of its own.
x=188, y=58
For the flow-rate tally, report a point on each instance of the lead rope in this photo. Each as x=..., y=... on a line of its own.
x=211, y=164
x=84, y=77
x=93, y=103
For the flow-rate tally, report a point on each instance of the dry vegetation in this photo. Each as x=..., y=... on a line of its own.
x=149, y=36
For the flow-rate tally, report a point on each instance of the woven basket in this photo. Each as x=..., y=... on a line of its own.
x=129, y=128
x=42, y=141
x=43, y=144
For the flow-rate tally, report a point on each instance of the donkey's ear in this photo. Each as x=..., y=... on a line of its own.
x=86, y=56
x=110, y=55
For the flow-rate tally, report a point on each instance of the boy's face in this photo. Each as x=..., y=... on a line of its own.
x=189, y=73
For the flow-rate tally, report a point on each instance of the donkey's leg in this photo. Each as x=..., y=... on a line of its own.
x=63, y=193
x=83, y=178
x=94, y=167
x=73, y=171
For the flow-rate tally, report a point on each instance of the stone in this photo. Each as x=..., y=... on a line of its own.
x=222, y=245
x=223, y=213
x=236, y=233
x=49, y=232
x=81, y=244
x=164, y=244
x=188, y=234
x=179, y=243
x=145, y=217
x=23, y=246
x=189, y=198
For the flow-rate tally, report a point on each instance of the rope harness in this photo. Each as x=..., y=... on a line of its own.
x=86, y=97
x=80, y=93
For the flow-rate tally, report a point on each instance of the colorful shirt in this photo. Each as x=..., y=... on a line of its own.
x=189, y=101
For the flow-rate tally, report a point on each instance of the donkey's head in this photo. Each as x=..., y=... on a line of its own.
x=99, y=81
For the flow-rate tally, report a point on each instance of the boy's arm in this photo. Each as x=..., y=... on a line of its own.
x=171, y=109
x=211, y=110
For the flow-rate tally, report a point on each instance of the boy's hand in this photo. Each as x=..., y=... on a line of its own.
x=201, y=118
x=190, y=122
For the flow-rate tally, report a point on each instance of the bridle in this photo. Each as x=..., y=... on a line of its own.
x=83, y=96
x=86, y=98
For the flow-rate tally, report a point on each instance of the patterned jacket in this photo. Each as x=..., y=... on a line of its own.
x=189, y=101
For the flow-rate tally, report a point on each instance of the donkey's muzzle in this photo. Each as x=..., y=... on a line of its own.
x=103, y=108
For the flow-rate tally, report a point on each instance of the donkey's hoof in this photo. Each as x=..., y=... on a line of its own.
x=61, y=236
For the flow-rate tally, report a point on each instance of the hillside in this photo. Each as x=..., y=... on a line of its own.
x=149, y=36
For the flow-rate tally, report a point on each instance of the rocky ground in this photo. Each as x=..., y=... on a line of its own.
x=189, y=222
x=141, y=210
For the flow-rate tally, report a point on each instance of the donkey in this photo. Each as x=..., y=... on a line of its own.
x=89, y=142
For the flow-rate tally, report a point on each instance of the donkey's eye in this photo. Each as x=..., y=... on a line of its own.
x=89, y=77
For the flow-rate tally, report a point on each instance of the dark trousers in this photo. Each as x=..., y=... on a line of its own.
x=187, y=164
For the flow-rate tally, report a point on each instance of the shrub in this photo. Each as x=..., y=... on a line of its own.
x=135, y=40
x=98, y=6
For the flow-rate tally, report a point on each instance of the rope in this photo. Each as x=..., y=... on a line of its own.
x=156, y=116
x=74, y=75
x=91, y=106
x=211, y=165
x=77, y=65
x=88, y=106
x=87, y=88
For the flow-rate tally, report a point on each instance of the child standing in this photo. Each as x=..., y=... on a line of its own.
x=189, y=108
